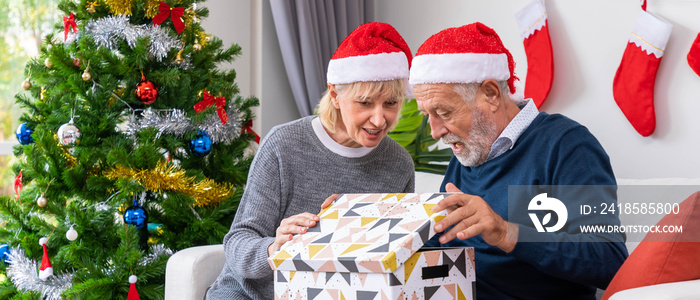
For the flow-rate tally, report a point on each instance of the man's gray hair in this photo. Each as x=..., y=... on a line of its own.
x=468, y=90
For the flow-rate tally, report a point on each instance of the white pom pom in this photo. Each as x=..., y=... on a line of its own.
x=132, y=279
x=42, y=241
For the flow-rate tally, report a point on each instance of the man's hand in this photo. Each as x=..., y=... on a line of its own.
x=291, y=226
x=473, y=216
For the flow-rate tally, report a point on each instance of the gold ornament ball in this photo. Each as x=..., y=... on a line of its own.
x=48, y=63
x=26, y=85
x=86, y=75
x=42, y=201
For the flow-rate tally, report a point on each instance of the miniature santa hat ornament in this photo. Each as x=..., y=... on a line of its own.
x=372, y=52
x=466, y=54
x=534, y=28
x=46, y=270
x=633, y=85
x=133, y=294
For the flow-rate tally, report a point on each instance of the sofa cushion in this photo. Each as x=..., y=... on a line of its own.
x=664, y=257
x=683, y=290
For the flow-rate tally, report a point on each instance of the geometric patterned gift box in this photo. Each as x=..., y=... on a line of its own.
x=369, y=246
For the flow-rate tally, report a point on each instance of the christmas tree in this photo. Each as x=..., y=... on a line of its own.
x=132, y=145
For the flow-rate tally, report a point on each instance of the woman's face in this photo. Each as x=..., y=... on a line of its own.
x=364, y=119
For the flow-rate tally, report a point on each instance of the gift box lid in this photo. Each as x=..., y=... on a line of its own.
x=366, y=233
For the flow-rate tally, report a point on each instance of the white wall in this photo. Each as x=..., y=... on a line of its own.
x=259, y=69
x=588, y=40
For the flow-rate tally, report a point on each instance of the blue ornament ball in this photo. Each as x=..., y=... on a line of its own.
x=136, y=215
x=24, y=134
x=4, y=253
x=201, y=145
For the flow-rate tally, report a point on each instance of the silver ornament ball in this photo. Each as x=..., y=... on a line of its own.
x=68, y=134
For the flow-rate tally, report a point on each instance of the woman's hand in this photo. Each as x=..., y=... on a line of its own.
x=329, y=200
x=291, y=226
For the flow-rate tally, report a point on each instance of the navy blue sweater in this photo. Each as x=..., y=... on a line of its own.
x=553, y=151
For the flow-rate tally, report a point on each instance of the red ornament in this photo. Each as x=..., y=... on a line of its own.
x=146, y=91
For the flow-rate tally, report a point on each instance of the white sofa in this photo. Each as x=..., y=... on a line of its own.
x=190, y=271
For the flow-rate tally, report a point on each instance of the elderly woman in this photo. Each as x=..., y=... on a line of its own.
x=345, y=149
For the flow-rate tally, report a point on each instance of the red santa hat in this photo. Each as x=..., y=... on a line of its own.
x=46, y=270
x=372, y=52
x=133, y=293
x=470, y=53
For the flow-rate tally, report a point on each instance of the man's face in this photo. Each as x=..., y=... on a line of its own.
x=467, y=128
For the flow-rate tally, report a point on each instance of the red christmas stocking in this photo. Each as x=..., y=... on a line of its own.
x=633, y=86
x=694, y=55
x=532, y=21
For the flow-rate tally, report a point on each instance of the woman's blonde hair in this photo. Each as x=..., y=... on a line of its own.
x=391, y=88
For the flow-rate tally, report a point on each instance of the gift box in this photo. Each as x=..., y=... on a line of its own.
x=370, y=246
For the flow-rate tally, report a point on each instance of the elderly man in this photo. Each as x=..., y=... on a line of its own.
x=463, y=79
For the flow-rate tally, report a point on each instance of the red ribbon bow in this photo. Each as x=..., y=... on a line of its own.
x=69, y=22
x=18, y=184
x=175, y=14
x=248, y=128
x=210, y=100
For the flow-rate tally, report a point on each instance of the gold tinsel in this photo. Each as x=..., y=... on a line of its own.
x=203, y=38
x=119, y=7
x=188, y=17
x=152, y=8
x=167, y=177
x=71, y=161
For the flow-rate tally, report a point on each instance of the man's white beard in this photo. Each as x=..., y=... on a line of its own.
x=482, y=134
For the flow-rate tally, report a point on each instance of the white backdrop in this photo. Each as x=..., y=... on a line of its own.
x=588, y=40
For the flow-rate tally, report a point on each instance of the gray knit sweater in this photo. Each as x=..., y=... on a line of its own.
x=293, y=172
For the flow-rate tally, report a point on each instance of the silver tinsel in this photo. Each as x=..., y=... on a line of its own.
x=157, y=251
x=108, y=30
x=175, y=122
x=24, y=275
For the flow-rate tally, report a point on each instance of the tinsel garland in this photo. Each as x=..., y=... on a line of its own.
x=108, y=30
x=119, y=7
x=156, y=252
x=175, y=122
x=23, y=273
x=168, y=177
x=71, y=161
x=203, y=38
x=151, y=9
